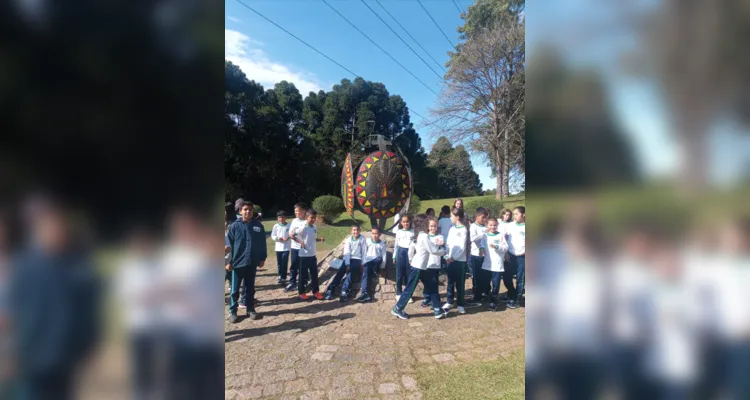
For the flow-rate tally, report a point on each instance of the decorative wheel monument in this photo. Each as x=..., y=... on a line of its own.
x=380, y=186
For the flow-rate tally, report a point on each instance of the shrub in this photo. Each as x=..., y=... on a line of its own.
x=493, y=206
x=414, y=206
x=329, y=208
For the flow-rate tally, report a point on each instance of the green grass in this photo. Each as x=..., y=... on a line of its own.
x=485, y=380
x=335, y=233
x=508, y=202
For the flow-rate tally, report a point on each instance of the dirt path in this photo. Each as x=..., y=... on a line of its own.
x=329, y=350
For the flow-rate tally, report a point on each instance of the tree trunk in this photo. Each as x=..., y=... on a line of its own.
x=506, y=162
x=500, y=178
x=693, y=173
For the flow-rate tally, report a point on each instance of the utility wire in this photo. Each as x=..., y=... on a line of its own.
x=303, y=42
x=317, y=51
x=378, y=46
x=436, y=24
x=402, y=40
x=457, y=7
x=412, y=37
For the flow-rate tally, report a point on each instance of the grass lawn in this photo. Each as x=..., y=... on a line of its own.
x=335, y=233
x=500, y=379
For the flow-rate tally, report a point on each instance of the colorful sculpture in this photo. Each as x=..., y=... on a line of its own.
x=383, y=183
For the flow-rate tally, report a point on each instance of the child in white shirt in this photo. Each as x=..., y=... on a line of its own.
x=354, y=253
x=280, y=236
x=434, y=263
x=458, y=246
x=300, y=210
x=404, y=237
x=307, y=237
x=375, y=258
x=516, y=235
x=476, y=236
x=492, y=268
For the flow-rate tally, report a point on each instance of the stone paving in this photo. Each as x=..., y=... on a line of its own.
x=328, y=350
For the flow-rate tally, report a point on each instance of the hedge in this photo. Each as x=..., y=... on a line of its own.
x=494, y=206
x=329, y=208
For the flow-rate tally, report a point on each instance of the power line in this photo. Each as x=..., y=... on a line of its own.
x=378, y=46
x=318, y=51
x=402, y=40
x=303, y=42
x=457, y=7
x=412, y=37
x=436, y=24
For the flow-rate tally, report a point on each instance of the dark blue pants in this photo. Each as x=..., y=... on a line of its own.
x=282, y=263
x=517, y=267
x=295, y=269
x=475, y=270
x=243, y=288
x=429, y=280
x=456, y=282
x=482, y=278
x=310, y=266
x=368, y=271
x=242, y=276
x=495, y=278
x=402, y=268
x=354, y=265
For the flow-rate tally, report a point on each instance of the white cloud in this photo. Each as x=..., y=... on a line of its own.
x=244, y=52
x=233, y=19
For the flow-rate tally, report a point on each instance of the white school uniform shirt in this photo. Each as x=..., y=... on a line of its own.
x=476, y=234
x=354, y=248
x=308, y=234
x=281, y=232
x=456, y=243
x=516, y=234
x=139, y=280
x=403, y=238
x=494, y=256
x=424, y=248
x=444, y=225
x=374, y=250
x=434, y=261
x=412, y=251
x=295, y=224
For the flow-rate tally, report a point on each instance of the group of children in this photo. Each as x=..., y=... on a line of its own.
x=492, y=250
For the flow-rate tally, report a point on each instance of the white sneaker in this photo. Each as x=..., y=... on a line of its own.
x=398, y=297
x=461, y=310
x=447, y=306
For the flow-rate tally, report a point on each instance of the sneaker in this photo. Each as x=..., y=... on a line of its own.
x=493, y=306
x=290, y=287
x=512, y=304
x=303, y=296
x=473, y=304
x=447, y=306
x=424, y=304
x=233, y=318
x=318, y=296
x=461, y=310
x=364, y=298
x=399, y=313
x=252, y=315
x=329, y=296
x=243, y=306
x=342, y=299
x=278, y=280
x=440, y=314
x=504, y=299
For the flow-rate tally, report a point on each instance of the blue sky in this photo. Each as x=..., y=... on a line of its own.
x=267, y=54
x=637, y=103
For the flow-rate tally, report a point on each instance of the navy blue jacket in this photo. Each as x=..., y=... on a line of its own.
x=55, y=304
x=248, y=243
